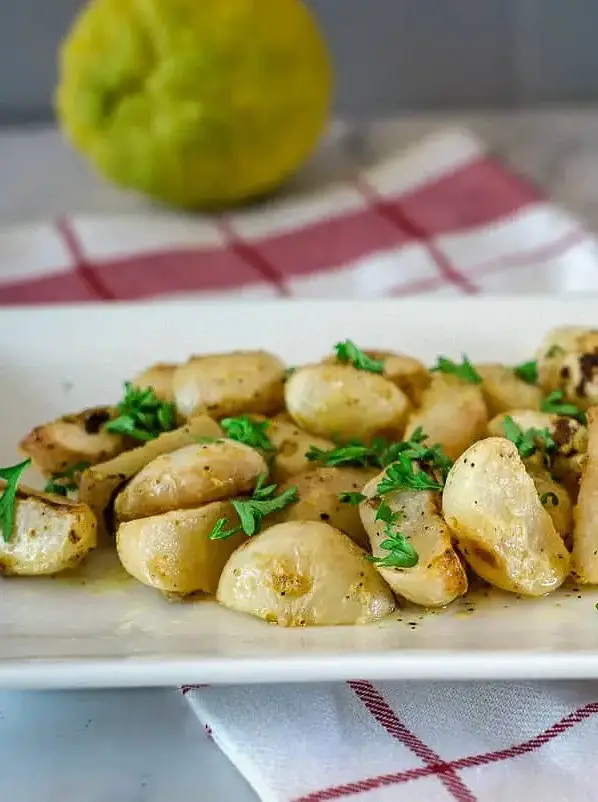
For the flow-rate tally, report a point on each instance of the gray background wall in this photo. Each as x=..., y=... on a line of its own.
x=392, y=55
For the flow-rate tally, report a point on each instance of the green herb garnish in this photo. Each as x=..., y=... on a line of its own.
x=417, y=436
x=250, y=432
x=381, y=453
x=555, y=404
x=401, y=553
x=465, y=371
x=527, y=371
x=352, y=454
x=252, y=511
x=142, y=415
x=348, y=352
x=550, y=497
x=63, y=482
x=528, y=441
x=11, y=476
x=351, y=498
x=403, y=475
x=385, y=514
x=431, y=456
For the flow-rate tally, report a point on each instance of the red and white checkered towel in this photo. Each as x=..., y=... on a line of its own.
x=407, y=742
x=444, y=218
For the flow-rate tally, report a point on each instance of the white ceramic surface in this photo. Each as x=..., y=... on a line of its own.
x=99, y=629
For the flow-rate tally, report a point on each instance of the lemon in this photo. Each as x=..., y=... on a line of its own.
x=197, y=103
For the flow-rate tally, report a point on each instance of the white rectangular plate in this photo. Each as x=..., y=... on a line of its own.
x=98, y=628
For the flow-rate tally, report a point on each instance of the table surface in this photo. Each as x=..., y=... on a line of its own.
x=41, y=177
x=95, y=746
x=146, y=745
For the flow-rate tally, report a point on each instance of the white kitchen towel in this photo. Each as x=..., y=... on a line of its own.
x=409, y=741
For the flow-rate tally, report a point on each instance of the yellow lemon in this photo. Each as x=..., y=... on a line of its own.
x=197, y=103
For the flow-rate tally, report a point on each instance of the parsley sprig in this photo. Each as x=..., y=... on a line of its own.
x=250, y=432
x=142, y=415
x=381, y=453
x=401, y=553
x=354, y=453
x=348, y=353
x=404, y=475
x=530, y=440
x=555, y=404
x=11, y=475
x=464, y=371
x=403, y=463
x=253, y=510
x=432, y=457
x=63, y=482
x=527, y=371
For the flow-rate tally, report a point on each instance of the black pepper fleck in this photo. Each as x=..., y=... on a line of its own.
x=94, y=422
